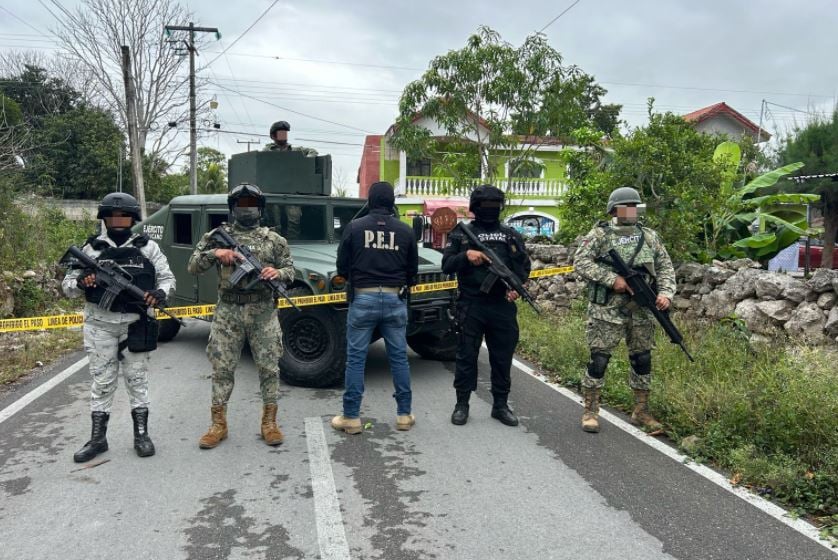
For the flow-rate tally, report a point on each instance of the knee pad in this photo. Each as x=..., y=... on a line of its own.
x=598, y=364
x=641, y=362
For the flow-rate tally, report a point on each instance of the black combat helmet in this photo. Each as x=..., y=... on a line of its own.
x=123, y=202
x=245, y=190
x=485, y=193
x=279, y=125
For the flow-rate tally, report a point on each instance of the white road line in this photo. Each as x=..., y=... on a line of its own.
x=775, y=511
x=331, y=536
x=18, y=405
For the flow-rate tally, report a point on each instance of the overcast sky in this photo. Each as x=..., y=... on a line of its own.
x=347, y=61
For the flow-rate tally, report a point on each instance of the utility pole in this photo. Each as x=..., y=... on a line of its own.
x=133, y=138
x=761, y=111
x=193, y=133
x=248, y=142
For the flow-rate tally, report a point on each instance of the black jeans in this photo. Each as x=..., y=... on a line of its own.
x=498, y=322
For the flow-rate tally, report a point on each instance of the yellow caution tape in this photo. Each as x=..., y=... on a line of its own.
x=77, y=319
x=551, y=271
x=41, y=323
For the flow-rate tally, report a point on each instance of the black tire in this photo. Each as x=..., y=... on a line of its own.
x=434, y=345
x=168, y=330
x=315, y=345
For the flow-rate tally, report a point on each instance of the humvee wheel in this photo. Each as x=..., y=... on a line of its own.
x=168, y=330
x=315, y=345
x=434, y=346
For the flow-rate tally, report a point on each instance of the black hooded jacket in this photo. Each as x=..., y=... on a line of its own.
x=378, y=249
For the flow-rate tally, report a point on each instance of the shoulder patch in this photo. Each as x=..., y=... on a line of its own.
x=141, y=240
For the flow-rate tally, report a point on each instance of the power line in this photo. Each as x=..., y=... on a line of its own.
x=24, y=22
x=320, y=61
x=552, y=21
x=293, y=111
x=263, y=14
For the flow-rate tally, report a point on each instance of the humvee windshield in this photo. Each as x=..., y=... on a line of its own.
x=308, y=222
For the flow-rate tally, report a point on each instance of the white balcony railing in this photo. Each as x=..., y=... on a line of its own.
x=444, y=186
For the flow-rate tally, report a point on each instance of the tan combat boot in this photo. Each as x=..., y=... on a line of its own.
x=348, y=425
x=641, y=415
x=218, y=430
x=590, y=419
x=270, y=431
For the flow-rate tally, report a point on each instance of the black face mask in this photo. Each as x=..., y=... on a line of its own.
x=488, y=215
x=119, y=236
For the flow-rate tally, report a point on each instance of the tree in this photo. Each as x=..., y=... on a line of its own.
x=38, y=95
x=212, y=171
x=14, y=135
x=816, y=145
x=93, y=35
x=489, y=92
x=78, y=154
x=667, y=161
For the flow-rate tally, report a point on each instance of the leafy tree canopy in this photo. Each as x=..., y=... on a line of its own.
x=489, y=92
x=39, y=95
x=77, y=154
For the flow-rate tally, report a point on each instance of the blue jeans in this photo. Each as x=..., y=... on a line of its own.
x=388, y=313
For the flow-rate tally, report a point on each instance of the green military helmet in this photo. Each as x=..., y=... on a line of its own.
x=623, y=195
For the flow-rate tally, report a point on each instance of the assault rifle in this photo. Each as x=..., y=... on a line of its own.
x=498, y=270
x=250, y=266
x=115, y=279
x=644, y=296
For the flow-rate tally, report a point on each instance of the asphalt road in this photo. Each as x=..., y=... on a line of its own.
x=543, y=490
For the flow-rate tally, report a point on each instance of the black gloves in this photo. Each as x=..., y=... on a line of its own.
x=159, y=295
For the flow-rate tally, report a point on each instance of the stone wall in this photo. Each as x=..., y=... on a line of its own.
x=769, y=303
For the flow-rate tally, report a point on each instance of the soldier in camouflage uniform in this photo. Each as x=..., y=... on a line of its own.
x=125, y=333
x=244, y=314
x=612, y=314
x=279, y=135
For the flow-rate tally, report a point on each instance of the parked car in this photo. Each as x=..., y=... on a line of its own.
x=815, y=254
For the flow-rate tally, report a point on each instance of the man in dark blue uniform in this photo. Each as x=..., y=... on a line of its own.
x=485, y=307
x=379, y=257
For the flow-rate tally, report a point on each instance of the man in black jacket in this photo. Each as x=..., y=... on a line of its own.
x=485, y=307
x=379, y=257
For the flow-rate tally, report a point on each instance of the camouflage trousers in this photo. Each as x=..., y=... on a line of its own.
x=604, y=335
x=101, y=342
x=233, y=324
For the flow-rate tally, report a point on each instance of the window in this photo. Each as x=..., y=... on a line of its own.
x=297, y=222
x=215, y=220
x=418, y=167
x=342, y=216
x=183, y=229
x=525, y=169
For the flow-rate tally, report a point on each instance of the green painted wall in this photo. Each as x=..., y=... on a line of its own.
x=389, y=168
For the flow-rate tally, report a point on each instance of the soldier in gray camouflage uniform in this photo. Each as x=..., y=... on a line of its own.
x=244, y=314
x=612, y=315
x=124, y=333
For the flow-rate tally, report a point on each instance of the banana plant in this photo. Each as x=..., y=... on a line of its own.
x=750, y=224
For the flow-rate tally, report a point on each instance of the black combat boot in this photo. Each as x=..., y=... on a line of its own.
x=142, y=443
x=502, y=412
x=460, y=414
x=98, y=442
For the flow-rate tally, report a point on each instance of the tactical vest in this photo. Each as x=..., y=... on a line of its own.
x=500, y=240
x=131, y=259
x=258, y=240
x=625, y=240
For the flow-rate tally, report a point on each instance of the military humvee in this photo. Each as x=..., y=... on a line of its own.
x=300, y=208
